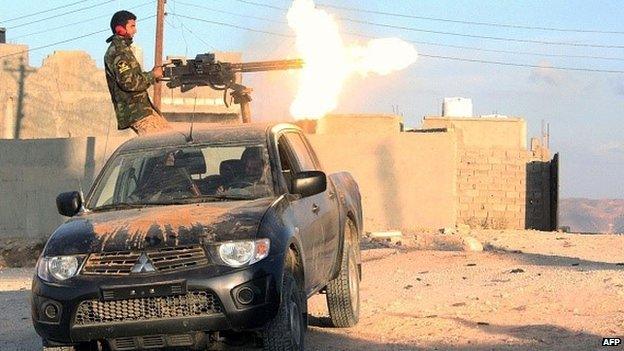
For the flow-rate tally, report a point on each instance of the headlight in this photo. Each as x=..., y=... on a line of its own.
x=58, y=268
x=240, y=253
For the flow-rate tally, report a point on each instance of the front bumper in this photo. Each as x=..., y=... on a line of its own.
x=220, y=282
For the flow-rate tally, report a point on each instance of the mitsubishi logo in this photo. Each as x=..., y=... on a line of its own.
x=143, y=265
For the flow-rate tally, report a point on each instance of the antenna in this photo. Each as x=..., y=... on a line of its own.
x=190, y=137
x=548, y=135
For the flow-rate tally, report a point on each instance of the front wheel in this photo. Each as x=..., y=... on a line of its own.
x=343, y=293
x=286, y=331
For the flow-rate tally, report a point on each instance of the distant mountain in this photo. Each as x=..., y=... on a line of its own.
x=592, y=216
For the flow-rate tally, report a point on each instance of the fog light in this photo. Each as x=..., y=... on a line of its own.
x=245, y=295
x=51, y=311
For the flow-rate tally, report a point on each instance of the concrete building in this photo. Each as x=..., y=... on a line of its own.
x=453, y=170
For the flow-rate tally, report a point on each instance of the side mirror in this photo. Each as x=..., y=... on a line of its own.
x=309, y=183
x=68, y=204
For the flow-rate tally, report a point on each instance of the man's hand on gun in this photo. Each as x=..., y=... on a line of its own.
x=158, y=72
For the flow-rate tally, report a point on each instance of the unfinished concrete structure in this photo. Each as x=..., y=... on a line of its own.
x=476, y=171
x=500, y=182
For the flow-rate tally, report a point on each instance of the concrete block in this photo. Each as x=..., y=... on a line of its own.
x=465, y=206
x=512, y=194
x=471, y=244
x=471, y=193
x=499, y=207
x=385, y=235
x=498, y=167
x=466, y=201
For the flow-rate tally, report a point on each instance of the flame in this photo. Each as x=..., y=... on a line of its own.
x=329, y=62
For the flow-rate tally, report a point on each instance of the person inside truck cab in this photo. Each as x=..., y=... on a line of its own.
x=167, y=180
x=253, y=169
x=250, y=175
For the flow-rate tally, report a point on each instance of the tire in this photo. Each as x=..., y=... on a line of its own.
x=287, y=330
x=343, y=293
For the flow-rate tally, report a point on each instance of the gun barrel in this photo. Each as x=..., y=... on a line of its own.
x=261, y=66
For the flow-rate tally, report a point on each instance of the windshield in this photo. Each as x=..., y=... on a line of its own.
x=184, y=174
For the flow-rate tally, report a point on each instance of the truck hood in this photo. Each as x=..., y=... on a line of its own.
x=158, y=227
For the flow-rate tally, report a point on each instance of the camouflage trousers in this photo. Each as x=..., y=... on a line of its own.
x=153, y=123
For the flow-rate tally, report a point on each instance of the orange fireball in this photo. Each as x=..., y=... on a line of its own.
x=329, y=62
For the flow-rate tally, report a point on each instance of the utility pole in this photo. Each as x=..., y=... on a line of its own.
x=158, y=55
x=22, y=71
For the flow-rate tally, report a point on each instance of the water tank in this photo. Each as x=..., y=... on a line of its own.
x=457, y=107
x=2, y=35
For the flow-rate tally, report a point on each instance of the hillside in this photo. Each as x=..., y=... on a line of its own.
x=592, y=216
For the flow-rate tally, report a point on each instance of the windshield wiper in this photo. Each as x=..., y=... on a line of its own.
x=120, y=206
x=206, y=198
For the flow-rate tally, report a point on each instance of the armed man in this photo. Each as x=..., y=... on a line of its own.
x=127, y=83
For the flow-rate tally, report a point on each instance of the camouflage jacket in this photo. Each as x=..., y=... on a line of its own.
x=127, y=83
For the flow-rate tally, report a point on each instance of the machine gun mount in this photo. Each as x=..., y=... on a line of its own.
x=205, y=70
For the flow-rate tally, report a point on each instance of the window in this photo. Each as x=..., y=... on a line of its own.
x=185, y=173
x=302, y=155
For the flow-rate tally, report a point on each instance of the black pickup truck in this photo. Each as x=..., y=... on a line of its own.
x=188, y=238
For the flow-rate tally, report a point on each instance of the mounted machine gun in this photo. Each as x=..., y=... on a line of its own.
x=205, y=70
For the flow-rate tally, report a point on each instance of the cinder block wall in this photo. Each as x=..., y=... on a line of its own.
x=492, y=187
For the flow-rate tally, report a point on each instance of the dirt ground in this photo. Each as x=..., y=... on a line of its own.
x=527, y=291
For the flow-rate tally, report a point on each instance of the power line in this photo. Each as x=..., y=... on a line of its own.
x=231, y=12
x=563, y=68
x=417, y=42
x=65, y=41
x=44, y=11
x=234, y=26
x=61, y=14
x=503, y=63
x=543, y=42
x=422, y=30
x=489, y=24
x=75, y=23
x=183, y=26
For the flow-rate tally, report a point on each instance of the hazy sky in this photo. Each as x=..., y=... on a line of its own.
x=584, y=109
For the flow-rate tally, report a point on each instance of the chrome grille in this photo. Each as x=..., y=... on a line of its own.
x=194, y=303
x=150, y=342
x=164, y=260
x=174, y=258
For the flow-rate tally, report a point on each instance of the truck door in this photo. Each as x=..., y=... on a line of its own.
x=329, y=215
x=305, y=210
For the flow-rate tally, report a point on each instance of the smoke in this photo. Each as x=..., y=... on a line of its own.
x=329, y=62
x=546, y=74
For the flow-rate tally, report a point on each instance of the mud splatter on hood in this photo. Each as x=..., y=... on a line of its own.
x=157, y=227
